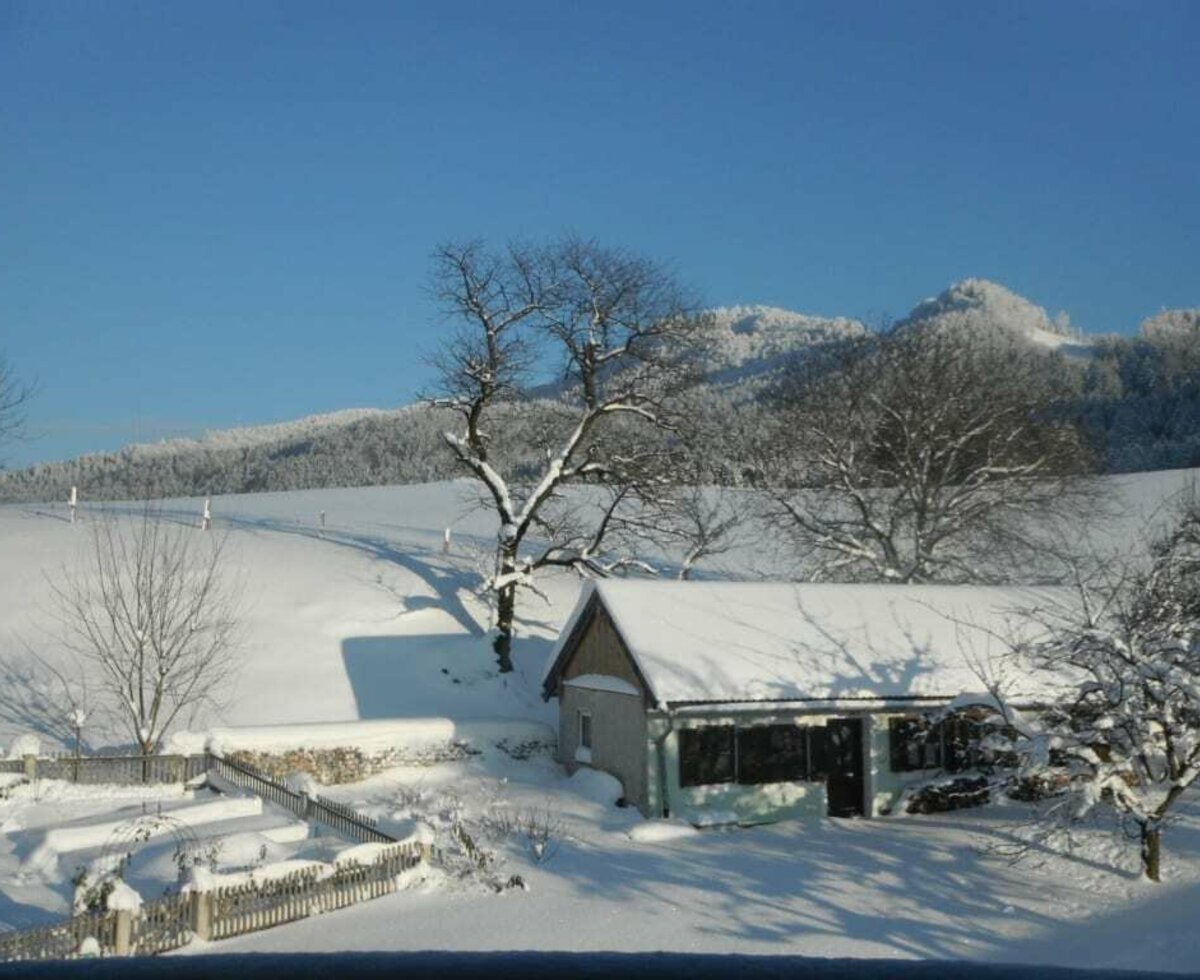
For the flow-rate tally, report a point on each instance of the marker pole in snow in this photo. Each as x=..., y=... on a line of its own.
x=74, y=502
x=206, y=520
x=446, y=542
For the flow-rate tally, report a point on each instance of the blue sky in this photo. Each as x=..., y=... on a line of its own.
x=221, y=213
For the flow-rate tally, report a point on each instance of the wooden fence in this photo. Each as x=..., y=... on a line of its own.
x=172, y=921
x=254, y=906
x=62, y=940
x=112, y=769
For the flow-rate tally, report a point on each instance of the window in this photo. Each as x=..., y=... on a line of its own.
x=585, y=730
x=706, y=755
x=952, y=744
x=772, y=754
x=750, y=756
x=914, y=745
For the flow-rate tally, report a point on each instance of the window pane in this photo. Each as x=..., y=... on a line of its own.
x=706, y=755
x=772, y=754
x=914, y=745
x=585, y=730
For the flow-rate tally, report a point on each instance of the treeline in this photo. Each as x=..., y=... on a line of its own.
x=1136, y=401
x=1140, y=396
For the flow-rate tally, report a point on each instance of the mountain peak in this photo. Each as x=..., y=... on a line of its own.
x=981, y=305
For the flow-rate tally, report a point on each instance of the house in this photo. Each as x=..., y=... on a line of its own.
x=753, y=702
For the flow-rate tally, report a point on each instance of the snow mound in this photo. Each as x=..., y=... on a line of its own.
x=123, y=898
x=24, y=745
x=405, y=735
x=600, y=787
x=660, y=831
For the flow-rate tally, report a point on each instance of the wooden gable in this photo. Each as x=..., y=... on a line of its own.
x=595, y=647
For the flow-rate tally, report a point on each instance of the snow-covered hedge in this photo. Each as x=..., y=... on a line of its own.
x=343, y=752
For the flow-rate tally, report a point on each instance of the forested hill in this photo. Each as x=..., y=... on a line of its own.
x=1137, y=400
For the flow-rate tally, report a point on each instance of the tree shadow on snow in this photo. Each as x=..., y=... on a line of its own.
x=439, y=674
x=876, y=884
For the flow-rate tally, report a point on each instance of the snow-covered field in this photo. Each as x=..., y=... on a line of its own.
x=368, y=618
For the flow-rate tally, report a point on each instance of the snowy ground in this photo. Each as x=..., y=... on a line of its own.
x=52, y=830
x=906, y=887
x=368, y=618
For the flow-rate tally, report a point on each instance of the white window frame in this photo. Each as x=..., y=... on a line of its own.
x=583, y=752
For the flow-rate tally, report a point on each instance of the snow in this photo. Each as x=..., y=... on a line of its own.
x=369, y=628
x=407, y=735
x=660, y=831
x=123, y=898
x=24, y=745
x=602, y=682
x=88, y=834
x=600, y=787
x=743, y=641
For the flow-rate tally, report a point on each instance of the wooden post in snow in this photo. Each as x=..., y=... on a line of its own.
x=73, y=502
x=206, y=520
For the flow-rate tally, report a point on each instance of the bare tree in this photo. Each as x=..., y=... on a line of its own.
x=920, y=455
x=14, y=395
x=616, y=327
x=1126, y=734
x=152, y=616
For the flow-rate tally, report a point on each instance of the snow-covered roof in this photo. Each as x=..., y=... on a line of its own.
x=751, y=641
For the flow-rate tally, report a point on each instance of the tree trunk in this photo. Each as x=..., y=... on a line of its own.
x=1151, y=851
x=506, y=607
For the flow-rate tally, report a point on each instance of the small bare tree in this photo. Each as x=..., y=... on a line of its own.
x=151, y=615
x=617, y=328
x=919, y=455
x=14, y=395
x=1126, y=735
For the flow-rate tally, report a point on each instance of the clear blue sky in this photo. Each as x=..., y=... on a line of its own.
x=221, y=213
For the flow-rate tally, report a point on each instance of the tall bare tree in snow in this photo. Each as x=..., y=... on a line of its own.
x=152, y=615
x=616, y=328
x=920, y=455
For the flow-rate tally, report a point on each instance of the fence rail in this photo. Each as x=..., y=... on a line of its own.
x=120, y=769
x=339, y=816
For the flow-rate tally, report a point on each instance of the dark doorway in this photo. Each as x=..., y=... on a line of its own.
x=844, y=785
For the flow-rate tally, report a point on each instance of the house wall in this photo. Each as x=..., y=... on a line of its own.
x=730, y=803
x=618, y=737
x=618, y=720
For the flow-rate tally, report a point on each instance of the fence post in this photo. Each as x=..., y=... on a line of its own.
x=124, y=933
x=201, y=915
x=30, y=766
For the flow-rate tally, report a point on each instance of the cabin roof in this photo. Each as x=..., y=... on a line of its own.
x=730, y=642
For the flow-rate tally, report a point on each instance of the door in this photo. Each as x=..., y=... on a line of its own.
x=844, y=787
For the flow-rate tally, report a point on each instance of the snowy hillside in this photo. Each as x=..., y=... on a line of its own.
x=368, y=617
x=748, y=340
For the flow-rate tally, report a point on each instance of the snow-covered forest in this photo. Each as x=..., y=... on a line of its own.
x=1135, y=400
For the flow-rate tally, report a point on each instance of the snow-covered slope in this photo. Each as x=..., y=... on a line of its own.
x=748, y=340
x=365, y=617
